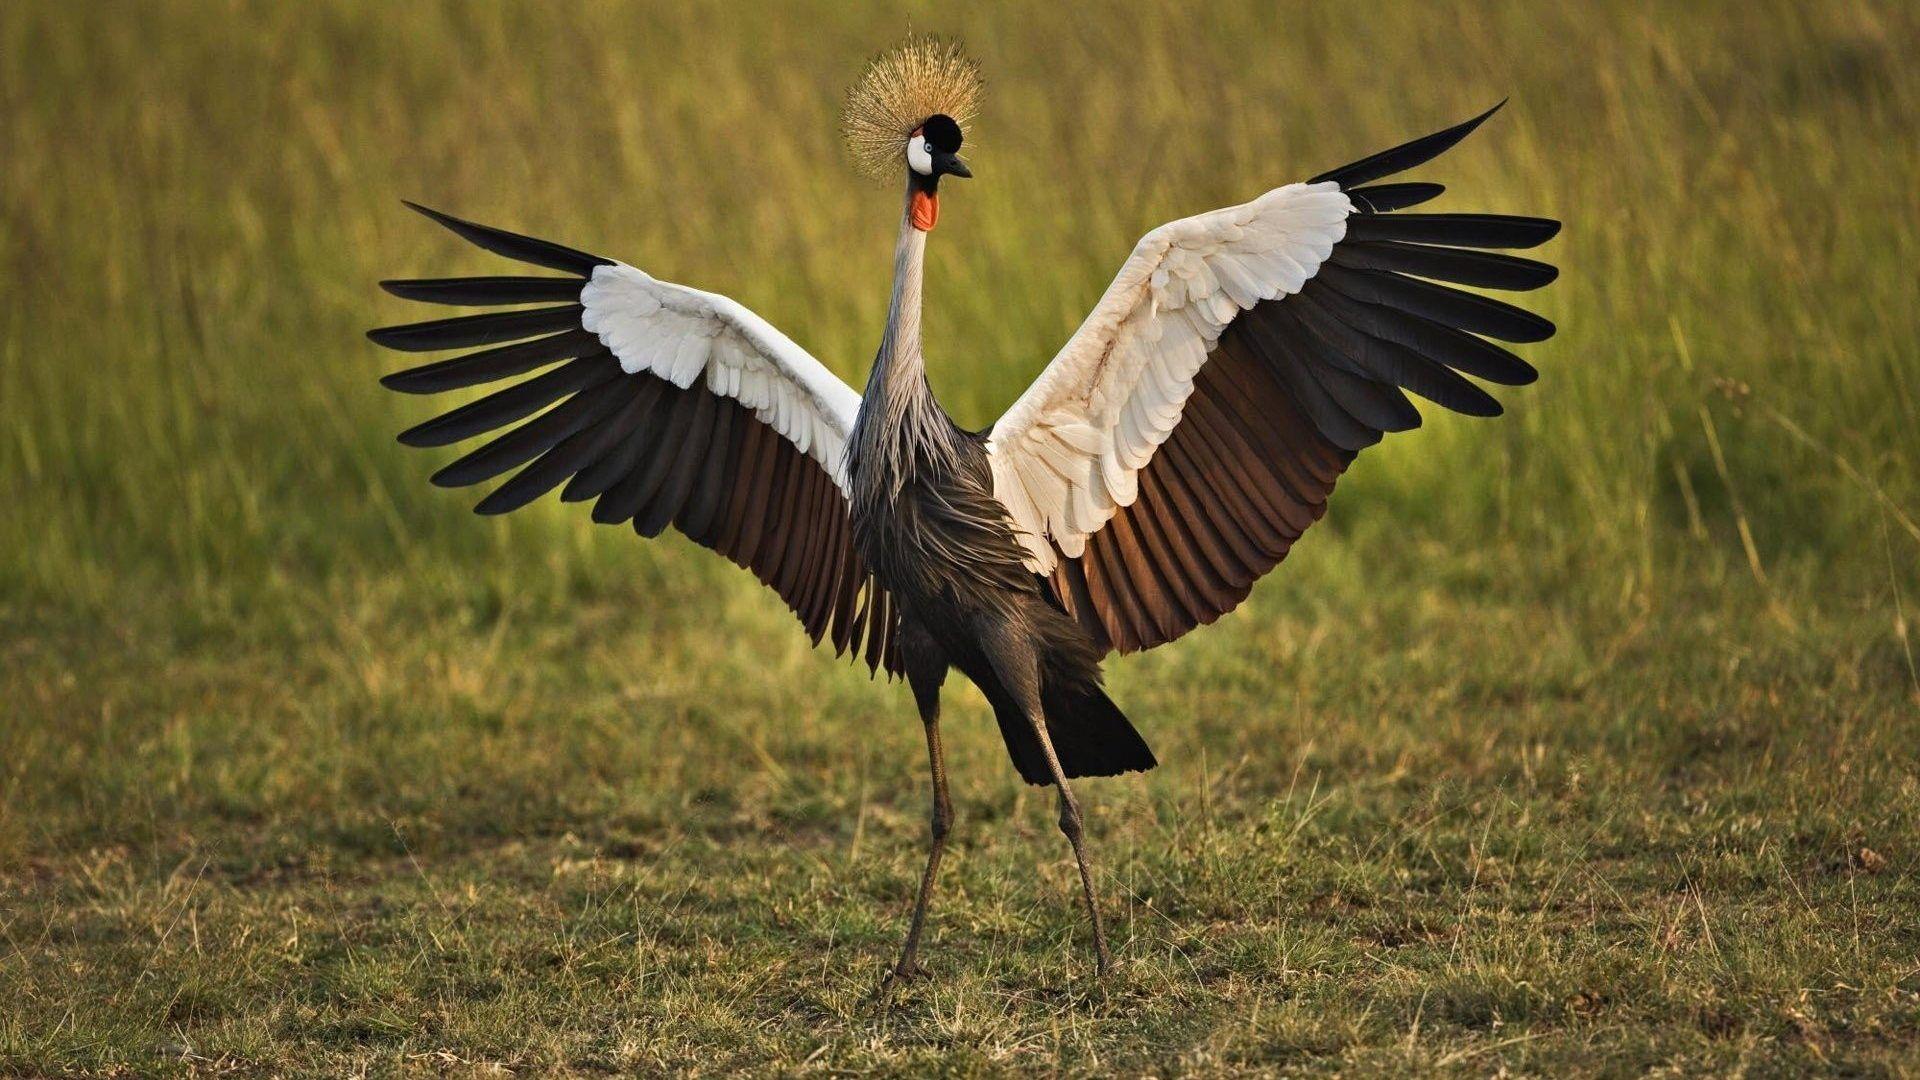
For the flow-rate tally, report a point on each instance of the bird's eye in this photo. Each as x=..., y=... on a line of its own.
x=919, y=158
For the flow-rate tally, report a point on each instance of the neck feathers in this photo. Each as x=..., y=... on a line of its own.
x=901, y=430
x=902, y=339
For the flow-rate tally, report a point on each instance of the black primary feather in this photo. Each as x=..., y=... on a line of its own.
x=1442, y=344
x=1449, y=307
x=505, y=406
x=1405, y=156
x=1481, y=269
x=491, y=365
x=533, y=438
x=1383, y=198
x=462, y=331
x=515, y=246
x=1466, y=230
x=487, y=291
x=1389, y=361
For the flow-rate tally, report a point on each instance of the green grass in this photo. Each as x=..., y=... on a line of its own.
x=1583, y=741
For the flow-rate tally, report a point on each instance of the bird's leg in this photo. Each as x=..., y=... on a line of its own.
x=929, y=702
x=1010, y=651
x=926, y=670
x=1070, y=824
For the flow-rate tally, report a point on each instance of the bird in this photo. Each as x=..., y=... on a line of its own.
x=1168, y=456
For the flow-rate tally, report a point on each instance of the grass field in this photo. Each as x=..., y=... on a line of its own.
x=1582, y=741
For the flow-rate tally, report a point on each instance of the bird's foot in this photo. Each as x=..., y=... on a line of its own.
x=904, y=972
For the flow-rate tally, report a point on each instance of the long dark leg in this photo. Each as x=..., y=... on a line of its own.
x=929, y=703
x=1019, y=670
x=926, y=670
x=1070, y=825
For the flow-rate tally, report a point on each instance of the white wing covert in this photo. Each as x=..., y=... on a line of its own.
x=682, y=334
x=1066, y=456
x=1193, y=427
x=663, y=405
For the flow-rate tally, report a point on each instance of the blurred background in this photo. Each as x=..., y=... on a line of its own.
x=1645, y=637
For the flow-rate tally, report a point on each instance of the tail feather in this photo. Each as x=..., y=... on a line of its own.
x=1090, y=735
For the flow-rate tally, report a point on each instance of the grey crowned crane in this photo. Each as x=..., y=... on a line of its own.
x=1169, y=455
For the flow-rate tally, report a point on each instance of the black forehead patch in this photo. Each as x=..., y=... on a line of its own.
x=942, y=132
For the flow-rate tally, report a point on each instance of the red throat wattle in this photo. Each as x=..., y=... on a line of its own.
x=925, y=210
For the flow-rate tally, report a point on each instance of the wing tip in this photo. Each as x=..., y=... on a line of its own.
x=422, y=209
x=398, y=382
x=1407, y=155
x=442, y=218
x=386, y=337
x=426, y=434
x=1483, y=406
x=1467, y=127
x=404, y=288
x=1543, y=328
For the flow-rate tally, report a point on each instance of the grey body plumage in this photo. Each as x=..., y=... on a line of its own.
x=927, y=523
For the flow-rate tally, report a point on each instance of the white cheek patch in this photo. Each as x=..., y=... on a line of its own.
x=919, y=158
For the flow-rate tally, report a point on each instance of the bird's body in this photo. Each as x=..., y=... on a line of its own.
x=1184, y=437
x=926, y=521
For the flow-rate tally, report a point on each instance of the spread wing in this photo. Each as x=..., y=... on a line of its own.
x=1195, y=424
x=661, y=404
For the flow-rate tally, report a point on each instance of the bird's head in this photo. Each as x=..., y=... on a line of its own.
x=933, y=151
x=906, y=112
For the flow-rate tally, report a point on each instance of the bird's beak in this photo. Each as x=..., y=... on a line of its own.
x=945, y=164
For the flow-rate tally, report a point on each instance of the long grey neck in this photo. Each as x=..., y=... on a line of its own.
x=901, y=428
x=899, y=369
